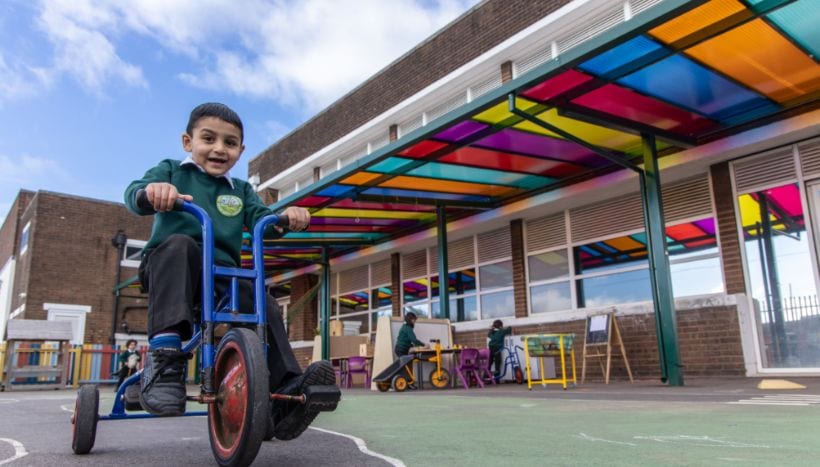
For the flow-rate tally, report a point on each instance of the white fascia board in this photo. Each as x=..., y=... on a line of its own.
x=570, y=16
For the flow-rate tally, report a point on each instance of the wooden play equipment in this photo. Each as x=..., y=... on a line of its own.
x=598, y=344
x=36, y=354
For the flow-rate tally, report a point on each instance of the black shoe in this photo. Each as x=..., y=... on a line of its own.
x=291, y=419
x=162, y=383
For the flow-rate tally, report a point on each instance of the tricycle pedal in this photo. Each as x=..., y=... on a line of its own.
x=322, y=398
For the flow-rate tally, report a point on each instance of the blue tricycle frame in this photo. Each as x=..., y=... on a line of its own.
x=239, y=412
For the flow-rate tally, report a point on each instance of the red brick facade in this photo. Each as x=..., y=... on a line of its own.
x=70, y=259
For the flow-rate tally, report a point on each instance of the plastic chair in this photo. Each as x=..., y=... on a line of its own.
x=341, y=376
x=468, y=365
x=357, y=365
x=484, y=365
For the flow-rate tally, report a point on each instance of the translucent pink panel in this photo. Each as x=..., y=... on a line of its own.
x=624, y=103
x=557, y=85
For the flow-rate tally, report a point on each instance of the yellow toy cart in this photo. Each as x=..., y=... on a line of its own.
x=549, y=345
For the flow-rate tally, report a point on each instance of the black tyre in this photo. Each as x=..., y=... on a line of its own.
x=399, y=383
x=383, y=386
x=439, y=378
x=84, y=420
x=269, y=431
x=239, y=421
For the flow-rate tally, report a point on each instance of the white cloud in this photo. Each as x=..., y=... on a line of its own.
x=19, y=80
x=29, y=172
x=79, y=31
x=304, y=54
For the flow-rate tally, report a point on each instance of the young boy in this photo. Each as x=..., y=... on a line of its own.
x=171, y=265
x=496, y=335
x=129, y=359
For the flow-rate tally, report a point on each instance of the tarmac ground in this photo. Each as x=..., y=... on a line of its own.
x=705, y=422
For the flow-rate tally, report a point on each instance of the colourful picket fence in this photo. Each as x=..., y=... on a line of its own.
x=87, y=364
x=28, y=356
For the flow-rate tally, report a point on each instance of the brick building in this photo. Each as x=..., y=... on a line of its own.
x=745, y=286
x=59, y=262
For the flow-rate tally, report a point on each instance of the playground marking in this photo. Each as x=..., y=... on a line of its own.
x=363, y=447
x=68, y=408
x=592, y=438
x=701, y=441
x=19, y=450
x=781, y=399
x=779, y=384
x=9, y=401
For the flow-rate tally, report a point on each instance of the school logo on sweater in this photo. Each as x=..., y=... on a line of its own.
x=229, y=205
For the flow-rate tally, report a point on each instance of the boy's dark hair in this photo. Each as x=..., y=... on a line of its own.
x=498, y=324
x=129, y=341
x=409, y=316
x=214, y=109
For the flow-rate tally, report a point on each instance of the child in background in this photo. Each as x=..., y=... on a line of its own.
x=129, y=360
x=407, y=337
x=496, y=335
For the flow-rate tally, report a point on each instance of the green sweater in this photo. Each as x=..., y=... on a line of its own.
x=496, y=336
x=406, y=339
x=230, y=209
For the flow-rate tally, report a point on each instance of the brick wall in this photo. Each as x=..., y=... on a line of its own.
x=484, y=27
x=709, y=341
x=519, y=257
x=726, y=219
x=10, y=231
x=302, y=324
x=71, y=259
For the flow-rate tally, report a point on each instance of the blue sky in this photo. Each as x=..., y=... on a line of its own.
x=94, y=92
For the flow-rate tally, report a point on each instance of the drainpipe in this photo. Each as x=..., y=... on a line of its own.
x=119, y=241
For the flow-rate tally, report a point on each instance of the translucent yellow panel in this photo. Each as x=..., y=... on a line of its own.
x=430, y=184
x=597, y=135
x=756, y=55
x=499, y=113
x=371, y=214
x=698, y=19
x=360, y=178
x=625, y=244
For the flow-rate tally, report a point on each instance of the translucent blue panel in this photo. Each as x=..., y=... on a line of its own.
x=391, y=165
x=426, y=195
x=634, y=51
x=475, y=175
x=335, y=190
x=800, y=20
x=681, y=81
x=337, y=235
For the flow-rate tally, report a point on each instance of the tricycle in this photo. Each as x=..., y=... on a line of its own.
x=234, y=373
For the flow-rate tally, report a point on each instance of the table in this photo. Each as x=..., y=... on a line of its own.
x=550, y=345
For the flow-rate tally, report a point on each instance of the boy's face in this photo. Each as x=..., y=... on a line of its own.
x=215, y=145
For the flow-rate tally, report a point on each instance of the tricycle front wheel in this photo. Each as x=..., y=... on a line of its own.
x=439, y=378
x=85, y=417
x=238, y=420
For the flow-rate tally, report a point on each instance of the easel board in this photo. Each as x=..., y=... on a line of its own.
x=600, y=334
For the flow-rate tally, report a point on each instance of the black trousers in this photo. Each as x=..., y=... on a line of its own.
x=495, y=359
x=171, y=273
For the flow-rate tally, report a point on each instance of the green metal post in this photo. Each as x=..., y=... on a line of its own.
x=660, y=273
x=443, y=268
x=324, y=305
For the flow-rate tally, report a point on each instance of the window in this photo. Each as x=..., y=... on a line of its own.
x=132, y=254
x=461, y=291
x=548, y=274
x=24, y=238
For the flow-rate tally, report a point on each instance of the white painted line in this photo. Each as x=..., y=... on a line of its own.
x=8, y=401
x=68, y=408
x=591, y=438
x=363, y=447
x=694, y=440
x=752, y=402
x=19, y=450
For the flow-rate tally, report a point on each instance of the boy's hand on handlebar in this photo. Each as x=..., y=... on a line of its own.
x=162, y=196
x=299, y=218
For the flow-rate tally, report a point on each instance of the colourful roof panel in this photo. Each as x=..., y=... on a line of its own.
x=687, y=73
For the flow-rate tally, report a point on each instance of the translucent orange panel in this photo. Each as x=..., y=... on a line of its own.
x=756, y=55
x=430, y=184
x=699, y=19
x=360, y=178
x=625, y=244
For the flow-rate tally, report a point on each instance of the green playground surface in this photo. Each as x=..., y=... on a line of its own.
x=601, y=425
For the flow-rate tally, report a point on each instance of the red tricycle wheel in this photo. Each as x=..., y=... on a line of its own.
x=237, y=421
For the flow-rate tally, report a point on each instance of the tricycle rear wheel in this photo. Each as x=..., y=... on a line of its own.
x=85, y=419
x=383, y=386
x=439, y=378
x=239, y=419
x=399, y=383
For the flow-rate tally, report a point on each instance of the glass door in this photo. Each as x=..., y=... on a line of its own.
x=782, y=275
